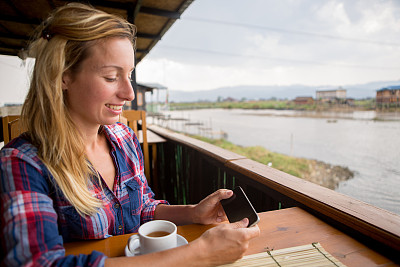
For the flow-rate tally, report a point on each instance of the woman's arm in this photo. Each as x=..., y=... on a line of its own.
x=223, y=244
x=178, y=214
x=29, y=232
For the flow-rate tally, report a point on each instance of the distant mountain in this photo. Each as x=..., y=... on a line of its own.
x=280, y=92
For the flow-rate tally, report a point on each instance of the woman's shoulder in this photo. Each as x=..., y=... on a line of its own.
x=23, y=150
x=20, y=147
x=21, y=167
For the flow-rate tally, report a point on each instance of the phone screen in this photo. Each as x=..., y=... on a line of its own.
x=238, y=207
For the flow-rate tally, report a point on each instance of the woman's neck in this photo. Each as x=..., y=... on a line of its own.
x=93, y=139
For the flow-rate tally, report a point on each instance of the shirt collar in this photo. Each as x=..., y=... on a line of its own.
x=110, y=135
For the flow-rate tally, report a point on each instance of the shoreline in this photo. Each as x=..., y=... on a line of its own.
x=328, y=175
x=330, y=115
x=315, y=171
x=317, y=106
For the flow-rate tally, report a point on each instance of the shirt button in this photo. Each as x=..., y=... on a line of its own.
x=120, y=227
x=117, y=206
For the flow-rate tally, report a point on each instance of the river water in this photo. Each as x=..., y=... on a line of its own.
x=367, y=142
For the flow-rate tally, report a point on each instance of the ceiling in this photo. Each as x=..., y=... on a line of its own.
x=153, y=18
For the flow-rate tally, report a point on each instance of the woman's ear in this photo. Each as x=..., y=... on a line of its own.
x=66, y=80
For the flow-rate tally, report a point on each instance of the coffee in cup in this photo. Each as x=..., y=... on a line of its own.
x=158, y=234
x=153, y=236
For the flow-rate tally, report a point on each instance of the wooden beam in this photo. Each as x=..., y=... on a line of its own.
x=142, y=9
x=11, y=47
x=7, y=52
x=148, y=36
x=136, y=10
x=21, y=19
x=160, y=12
x=104, y=3
x=14, y=36
x=16, y=10
x=145, y=51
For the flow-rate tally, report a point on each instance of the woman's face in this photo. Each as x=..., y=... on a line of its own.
x=98, y=90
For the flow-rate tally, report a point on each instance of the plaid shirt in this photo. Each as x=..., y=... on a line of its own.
x=36, y=218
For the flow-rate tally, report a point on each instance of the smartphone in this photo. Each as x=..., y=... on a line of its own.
x=238, y=207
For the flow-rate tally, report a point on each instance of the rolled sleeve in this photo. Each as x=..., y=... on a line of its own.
x=150, y=208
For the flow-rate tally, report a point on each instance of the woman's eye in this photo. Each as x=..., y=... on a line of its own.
x=108, y=79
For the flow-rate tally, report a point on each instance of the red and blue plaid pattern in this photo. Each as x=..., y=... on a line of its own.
x=36, y=218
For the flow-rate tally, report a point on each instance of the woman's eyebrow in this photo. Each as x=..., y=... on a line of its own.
x=111, y=66
x=116, y=67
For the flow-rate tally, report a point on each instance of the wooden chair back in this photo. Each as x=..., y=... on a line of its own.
x=11, y=127
x=133, y=117
x=14, y=129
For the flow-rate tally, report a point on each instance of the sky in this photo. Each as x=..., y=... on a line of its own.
x=219, y=43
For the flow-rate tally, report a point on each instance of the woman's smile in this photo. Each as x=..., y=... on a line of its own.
x=114, y=107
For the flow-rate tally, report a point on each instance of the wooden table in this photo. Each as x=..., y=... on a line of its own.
x=152, y=138
x=279, y=229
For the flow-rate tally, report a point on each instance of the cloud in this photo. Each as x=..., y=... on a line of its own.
x=333, y=14
x=324, y=42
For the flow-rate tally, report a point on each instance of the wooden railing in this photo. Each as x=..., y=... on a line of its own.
x=190, y=169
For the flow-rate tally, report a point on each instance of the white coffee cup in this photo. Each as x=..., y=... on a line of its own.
x=153, y=236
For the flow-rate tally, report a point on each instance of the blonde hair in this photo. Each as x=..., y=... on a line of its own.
x=61, y=44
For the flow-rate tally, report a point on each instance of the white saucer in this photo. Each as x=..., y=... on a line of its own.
x=180, y=242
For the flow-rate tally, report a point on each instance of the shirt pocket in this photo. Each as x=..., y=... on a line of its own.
x=135, y=196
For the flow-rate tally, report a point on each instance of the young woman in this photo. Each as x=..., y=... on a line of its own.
x=76, y=173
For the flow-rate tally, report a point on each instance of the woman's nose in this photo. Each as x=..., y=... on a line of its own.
x=127, y=92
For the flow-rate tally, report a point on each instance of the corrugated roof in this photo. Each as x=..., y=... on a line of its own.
x=153, y=85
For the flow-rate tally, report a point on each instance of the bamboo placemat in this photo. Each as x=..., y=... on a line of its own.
x=311, y=255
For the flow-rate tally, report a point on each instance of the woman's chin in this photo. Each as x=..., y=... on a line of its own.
x=111, y=121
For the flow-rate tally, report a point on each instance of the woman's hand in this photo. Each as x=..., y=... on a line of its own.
x=225, y=243
x=209, y=210
x=222, y=244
